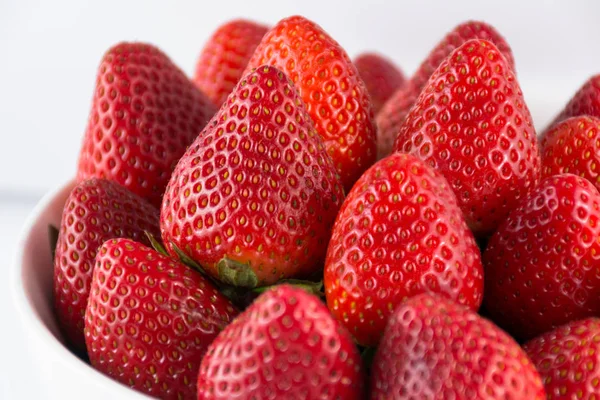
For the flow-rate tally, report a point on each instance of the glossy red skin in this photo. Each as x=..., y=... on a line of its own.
x=542, y=265
x=95, y=211
x=572, y=146
x=381, y=77
x=472, y=124
x=433, y=348
x=586, y=101
x=335, y=95
x=394, y=111
x=256, y=186
x=145, y=112
x=150, y=319
x=225, y=56
x=384, y=249
x=568, y=360
x=285, y=345
x=391, y=117
x=461, y=34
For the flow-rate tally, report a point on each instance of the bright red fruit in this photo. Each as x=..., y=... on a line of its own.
x=399, y=233
x=572, y=146
x=392, y=115
x=381, y=77
x=145, y=112
x=456, y=38
x=150, y=319
x=285, y=345
x=585, y=102
x=568, y=360
x=96, y=210
x=433, y=348
x=225, y=56
x=394, y=111
x=541, y=266
x=254, y=198
x=335, y=95
x=472, y=124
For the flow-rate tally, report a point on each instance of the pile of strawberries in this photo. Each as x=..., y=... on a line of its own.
x=293, y=224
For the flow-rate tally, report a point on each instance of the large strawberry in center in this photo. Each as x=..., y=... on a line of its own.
x=254, y=197
x=472, y=124
x=335, y=95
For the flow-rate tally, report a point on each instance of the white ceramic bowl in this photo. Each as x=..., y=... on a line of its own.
x=64, y=375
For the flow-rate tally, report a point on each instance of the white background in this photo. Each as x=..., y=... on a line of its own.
x=49, y=51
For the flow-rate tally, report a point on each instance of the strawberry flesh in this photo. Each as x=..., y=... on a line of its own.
x=285, y=345
x=399, y=233
x=150, y=319
x=433, y=348
x=472, y=124
x=145, y=112
x=95, y=211
x=254, y=197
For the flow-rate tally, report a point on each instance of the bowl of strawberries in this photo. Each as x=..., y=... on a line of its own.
x=291, y=223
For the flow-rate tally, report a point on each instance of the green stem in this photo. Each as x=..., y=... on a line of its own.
x=236, y=273
x=156, y=245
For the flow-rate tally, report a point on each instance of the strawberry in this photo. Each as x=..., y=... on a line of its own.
x=381, y=77
x=394, y=111
x=572, y=146
x=392, y=115
x=472, y=124
x=145, y=111
x=150, y=319
x=399, y=233
x=541, y=266
x=285, y=345
x=254, y=198
x=456, y=38
x=586, y=101
x=433, y=348
x=568, y=359
x=335, y=95
x=95, y=211
x=225, y=56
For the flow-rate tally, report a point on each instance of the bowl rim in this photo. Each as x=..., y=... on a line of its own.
x=28, y=314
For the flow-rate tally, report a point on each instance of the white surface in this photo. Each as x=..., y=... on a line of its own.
x=18, y=375
x=49, y=52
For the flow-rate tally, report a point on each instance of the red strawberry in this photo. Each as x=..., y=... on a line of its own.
x=285, y=345
x=453, y=40
x=393, y=113
x=96, y=210
x=542, y=265
x=381, y=77
x=399, y=233
x=225, y=56
x=433, y=348
x=585, y=102
x=568, y=359
x=254, y=198
x=472, y=124
x=573, y=146
x=145, y=112
x=150, y=319
x=335, y=95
